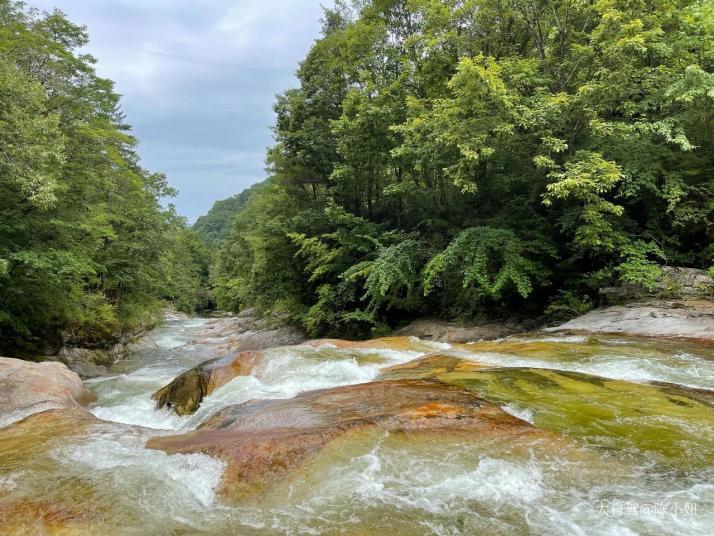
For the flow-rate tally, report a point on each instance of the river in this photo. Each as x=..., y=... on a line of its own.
x=635, y=458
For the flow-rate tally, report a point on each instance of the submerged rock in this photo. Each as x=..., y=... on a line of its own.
x=28, y=388
x=692, y=320
x=39, y=494
x=38, y=433
x=262, y=441
x=429, y=366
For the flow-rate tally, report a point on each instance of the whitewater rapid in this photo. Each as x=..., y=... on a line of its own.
x=379, y=482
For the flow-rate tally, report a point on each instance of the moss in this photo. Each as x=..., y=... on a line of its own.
x=673, y=424
x=185, y=394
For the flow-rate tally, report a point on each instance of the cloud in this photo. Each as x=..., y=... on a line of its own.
x=198, y=79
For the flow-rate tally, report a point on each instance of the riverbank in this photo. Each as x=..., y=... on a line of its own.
x=392, y=434
x=239, y=424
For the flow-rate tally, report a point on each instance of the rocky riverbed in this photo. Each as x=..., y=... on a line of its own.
x=207, y=428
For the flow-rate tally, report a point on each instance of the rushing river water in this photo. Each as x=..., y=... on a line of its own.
x=636, y=458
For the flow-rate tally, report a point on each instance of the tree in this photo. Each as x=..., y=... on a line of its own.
x=495, y=154
x=86, y=249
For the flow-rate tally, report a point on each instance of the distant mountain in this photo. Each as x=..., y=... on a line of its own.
x=215, y=226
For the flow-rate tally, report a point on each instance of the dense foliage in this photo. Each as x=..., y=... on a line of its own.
x=214, y=227
x=449, y=157
x=86, y=249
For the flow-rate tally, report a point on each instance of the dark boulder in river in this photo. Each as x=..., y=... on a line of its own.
x=185, y=394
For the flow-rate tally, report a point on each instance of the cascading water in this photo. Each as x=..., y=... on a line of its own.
x=101, y=479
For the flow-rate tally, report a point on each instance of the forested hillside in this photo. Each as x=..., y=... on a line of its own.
x=457, y=157
x=216, y=225
x=86, y=249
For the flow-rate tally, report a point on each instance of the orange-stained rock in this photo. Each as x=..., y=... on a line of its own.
x=36, y=516
x=391, y=343
x=40, y=431
x=429, y=366
x=185, y=393
x=28, y=388
x=261, y=441
x=25, y=453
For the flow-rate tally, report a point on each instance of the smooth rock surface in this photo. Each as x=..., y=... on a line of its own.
x=262, y=441
x=452, y=332
x=687, y=319
x=666, y=420
x=247, y=331
x=29, y=388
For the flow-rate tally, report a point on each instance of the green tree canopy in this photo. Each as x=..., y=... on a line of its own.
x=86, y=248
x=459, y=156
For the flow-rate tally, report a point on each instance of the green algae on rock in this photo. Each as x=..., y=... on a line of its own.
x=673, y=424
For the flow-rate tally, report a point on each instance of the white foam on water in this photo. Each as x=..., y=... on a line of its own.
x=572, y=339
x=433, y=486
x=288, y=372
x=15, y=416
x=493, y=480
x=285, y=376
x=521, y=413
x=435, y=345
x=181, y=483
x=194, y=322
x=127, y=399
x=170, y=341
x=8, y=482
x=438, y=482
x=643, y=506
x=140, y=411
x=441, y=484
x=683, y=369
x=389, y=355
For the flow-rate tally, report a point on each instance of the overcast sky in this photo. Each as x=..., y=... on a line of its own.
x=198, y=79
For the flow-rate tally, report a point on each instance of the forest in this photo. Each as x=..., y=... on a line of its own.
x=452, y=159
x=463, y=158
x=87, y=249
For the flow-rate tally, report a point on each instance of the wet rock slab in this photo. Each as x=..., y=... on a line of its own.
x=262, y=441
x=671, y=424
x=248, y=331
x=186, y=392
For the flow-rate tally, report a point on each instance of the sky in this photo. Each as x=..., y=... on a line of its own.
x=198, y=79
